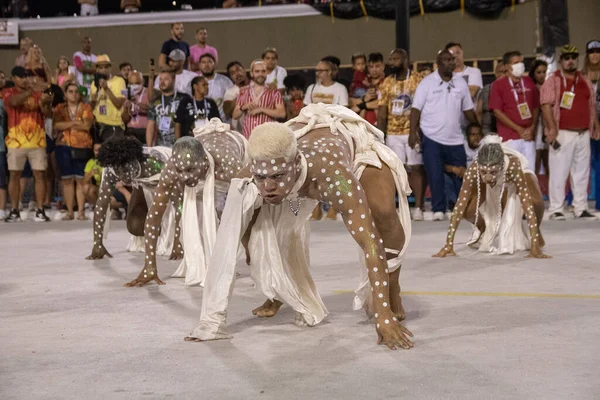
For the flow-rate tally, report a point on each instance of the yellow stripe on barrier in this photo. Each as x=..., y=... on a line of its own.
x=462, y=7
x=364, y=10
x=493, y=294
x=331, y=11
x=421, y=7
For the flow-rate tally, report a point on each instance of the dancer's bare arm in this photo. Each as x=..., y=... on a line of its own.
x=102, y=206
x=516, y=175
x=467, y=190
x=177, y=201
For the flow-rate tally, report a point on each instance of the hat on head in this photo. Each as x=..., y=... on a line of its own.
x=20, y=72
x=103, y=59
x=568, y=49
x=177, y=55
x=592, y=45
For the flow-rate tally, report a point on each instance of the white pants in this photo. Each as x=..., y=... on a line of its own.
x=573, y=157
x=408, y=156
x=525, y=148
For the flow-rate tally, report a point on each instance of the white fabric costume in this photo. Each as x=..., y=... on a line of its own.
x=279, y=239
x=504, y=233
x=199, y=217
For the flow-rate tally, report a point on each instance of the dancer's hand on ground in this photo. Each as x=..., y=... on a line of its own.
x=98, y=252
x=147, y=275
x=394, y=335
x=176, y=253
x=536, y=252
x=445, y=251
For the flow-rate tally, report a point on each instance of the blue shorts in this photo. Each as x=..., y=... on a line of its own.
x=3, y=170
x=50, y=145
x=67, y=166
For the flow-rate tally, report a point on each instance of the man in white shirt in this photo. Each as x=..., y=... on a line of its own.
x=85, y=64
x=275, y=73
x=237, y=74
x=326, y=90
x=470, y=74
x=217, y=83
x=88, y=7
x=439, y=103
x=183, y=77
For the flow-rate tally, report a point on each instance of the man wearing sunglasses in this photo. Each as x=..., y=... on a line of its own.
x=569, y=110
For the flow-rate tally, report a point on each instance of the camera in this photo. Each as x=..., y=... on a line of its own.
x=97, y=77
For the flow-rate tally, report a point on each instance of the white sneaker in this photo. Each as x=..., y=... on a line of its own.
x=439, y=216
x=2, y=214
x=417, y=214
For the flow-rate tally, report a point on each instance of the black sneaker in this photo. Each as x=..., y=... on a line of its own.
x=40, y=216
x=586, y=215
x=557, y=216
x=14, y=216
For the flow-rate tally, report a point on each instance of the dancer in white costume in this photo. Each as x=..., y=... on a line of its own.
x=127, y=161
x=203, y=168
x=498, y=189
x=328, y=154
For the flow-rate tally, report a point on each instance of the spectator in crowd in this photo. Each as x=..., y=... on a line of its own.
x=26, y=139
x=368, y=104
x=24, y=45
x=515, y=102
x=165, y=112
x=396, y=97
x=131, y=6
x=537, y=73
x=85, y=64
x=439, y=103
x=237, y=73
x=275, y=73
x=337, y=62
x=258, y=101
x=485, y=116
x=175, y=42
x=134, y=112
x=92, y=177
x=72, y=124
x=88, y=7
x=39, y=68
x=425, y=70
x=326, y=89
x=360, y=80
x=471, y=75
x=217, y=84
x=201, y=109
x=472, y=143
x=3, y=166
x=294, y=87
x=569, y=108
x=591, y=68
x=107, y=100
x=200, y=48
x=63, y=73
x=125, y=69
x=183, y=77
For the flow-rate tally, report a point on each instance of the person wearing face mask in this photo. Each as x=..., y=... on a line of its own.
x=515, y=102
x=134, y=112
x=569, y=108
x=498, y=171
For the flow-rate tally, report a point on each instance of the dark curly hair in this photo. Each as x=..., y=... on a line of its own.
x=120, y=152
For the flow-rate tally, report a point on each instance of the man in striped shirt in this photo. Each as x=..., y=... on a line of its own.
x=258, y=102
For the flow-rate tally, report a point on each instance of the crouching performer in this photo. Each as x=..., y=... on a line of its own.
x=327, y=154
x=498, y=188
x=201, y=167
x=127, y=161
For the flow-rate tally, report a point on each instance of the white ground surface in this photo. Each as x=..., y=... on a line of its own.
x=70, y=330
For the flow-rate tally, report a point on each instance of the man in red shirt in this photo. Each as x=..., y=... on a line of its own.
x=258, y=102
x=515, y=101
x=26, y=139
x=569, y=109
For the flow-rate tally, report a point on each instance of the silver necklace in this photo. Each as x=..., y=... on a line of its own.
x=295, y=208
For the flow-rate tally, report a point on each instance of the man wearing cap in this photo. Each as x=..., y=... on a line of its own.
x=183, y=77
x=107, y=99
x=591, y=67
x=569, y=109
x=26, y=139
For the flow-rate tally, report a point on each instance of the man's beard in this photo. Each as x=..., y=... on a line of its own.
x=259, y=81
x=396, y=70
x=571, y=68
x=209, y=74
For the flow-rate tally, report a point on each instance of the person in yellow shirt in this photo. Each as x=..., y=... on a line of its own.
x=92, y=177
x=107, y=101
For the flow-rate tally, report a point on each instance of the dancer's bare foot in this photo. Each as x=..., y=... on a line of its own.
x=268, y=309
x=395, y=296
x=147, y=275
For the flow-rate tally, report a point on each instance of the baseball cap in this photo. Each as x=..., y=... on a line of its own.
x=568, y=49
x=103, y=59
x=20, y=72
x=177, y=55
x=592, y=45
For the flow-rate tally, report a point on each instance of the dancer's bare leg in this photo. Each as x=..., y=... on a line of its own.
x=538, y=203
x=136, y=212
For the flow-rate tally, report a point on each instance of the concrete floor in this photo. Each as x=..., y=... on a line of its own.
x=70, y=330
